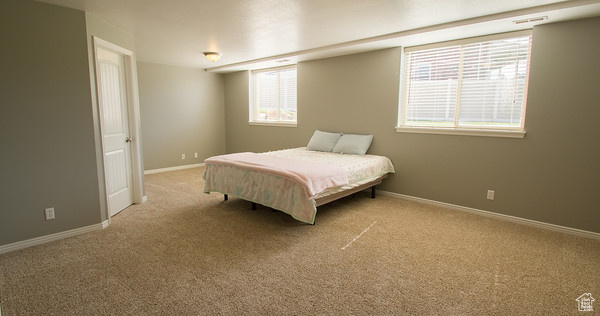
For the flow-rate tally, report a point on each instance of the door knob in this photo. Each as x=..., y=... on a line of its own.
x=128, y=140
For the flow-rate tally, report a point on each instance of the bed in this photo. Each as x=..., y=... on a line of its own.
x=263, y=178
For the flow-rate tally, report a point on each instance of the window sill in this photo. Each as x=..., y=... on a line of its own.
x=273, y=123
x=462, y=131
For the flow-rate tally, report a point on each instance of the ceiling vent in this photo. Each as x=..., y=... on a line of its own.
x=531, y=20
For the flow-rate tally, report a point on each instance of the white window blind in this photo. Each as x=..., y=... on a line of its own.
x=275, y=95
x=480, y=85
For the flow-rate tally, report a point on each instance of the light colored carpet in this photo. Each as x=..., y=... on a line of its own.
x=187, y=253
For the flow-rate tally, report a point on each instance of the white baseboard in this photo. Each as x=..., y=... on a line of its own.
x=52, y=237
x=515, y=219
x=195, y=165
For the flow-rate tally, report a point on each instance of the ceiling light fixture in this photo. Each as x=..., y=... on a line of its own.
x=531, y=20
x=213, y=56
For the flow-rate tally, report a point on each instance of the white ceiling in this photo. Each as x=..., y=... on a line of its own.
x=260, y=33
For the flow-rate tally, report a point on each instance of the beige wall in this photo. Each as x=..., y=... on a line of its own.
x=46, y=128
x=182, y=112
x=550, y=176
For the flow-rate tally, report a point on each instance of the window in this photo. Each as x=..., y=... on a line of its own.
x=473, y=87
x=274, y=96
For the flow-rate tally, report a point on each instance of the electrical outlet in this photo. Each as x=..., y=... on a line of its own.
x=195, y=155
x=490, y=194
x=182, y=156
x=49, y=213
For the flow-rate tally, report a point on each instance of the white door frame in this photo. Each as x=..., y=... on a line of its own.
x=133, y=109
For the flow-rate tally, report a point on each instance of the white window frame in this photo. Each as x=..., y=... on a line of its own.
x=253, y=108
x=510, y=132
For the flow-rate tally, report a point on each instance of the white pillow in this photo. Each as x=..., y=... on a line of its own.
x=353, y=144
x=323, y=141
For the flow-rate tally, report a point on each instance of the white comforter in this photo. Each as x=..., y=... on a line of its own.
x=282, y=193
x=314, y=177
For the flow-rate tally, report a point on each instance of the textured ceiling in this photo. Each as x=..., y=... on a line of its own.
x=176, y=32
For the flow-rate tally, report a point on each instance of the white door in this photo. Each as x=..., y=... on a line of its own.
x=116, y=141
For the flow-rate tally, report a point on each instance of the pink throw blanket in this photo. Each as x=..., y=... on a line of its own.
x=313, y=177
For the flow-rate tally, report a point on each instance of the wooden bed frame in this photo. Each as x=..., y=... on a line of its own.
x=336, y=196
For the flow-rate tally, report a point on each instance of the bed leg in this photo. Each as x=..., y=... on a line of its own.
x=373, y=192
x=225, y=197
x=253, y=206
